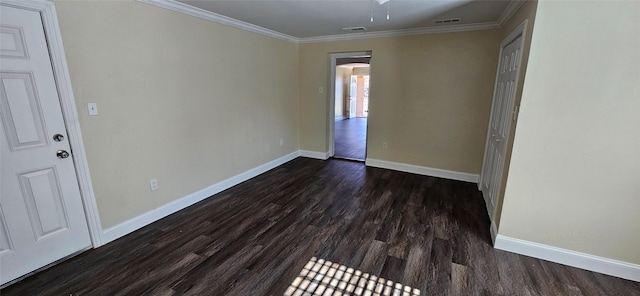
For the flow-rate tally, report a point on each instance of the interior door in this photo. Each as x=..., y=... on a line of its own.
x=41, y=213
x=353, y=96
x=501, y=115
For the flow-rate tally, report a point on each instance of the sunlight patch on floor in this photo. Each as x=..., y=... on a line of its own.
x=322, y=277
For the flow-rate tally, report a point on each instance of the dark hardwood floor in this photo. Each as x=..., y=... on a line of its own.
x=311, y=226
x=351, y=138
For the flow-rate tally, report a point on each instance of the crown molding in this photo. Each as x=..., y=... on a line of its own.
x=225, y=20
x=510, y=11
x=214, y=17
x=406, y=32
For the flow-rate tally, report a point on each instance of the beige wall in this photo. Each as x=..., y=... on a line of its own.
x=527, y=12
x=361, y=71
x=341, y=89
x=184, y=100
x=575, y=168
x=430, y=97
x=191, y=102
x=346, y=79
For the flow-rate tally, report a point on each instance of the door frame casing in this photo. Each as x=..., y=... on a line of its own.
x=520, y=30
x=331, y=100
x=51, y=27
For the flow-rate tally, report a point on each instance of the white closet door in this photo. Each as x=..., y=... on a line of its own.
x=41, y=213
x=501, y=116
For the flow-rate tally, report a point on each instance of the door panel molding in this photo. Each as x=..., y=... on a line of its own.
x=41, y=189
x=51, y=26
x=6, y=245
x=13, y=36
x=29, y=132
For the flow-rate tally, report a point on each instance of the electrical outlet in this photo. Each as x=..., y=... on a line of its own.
x=281, y=141
x=385, y=145
x=93, y=109
x=153, y=183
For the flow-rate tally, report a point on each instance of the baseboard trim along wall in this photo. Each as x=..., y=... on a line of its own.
x=124, y=228
x=145, y=219
x=494, y=232
x=421, y=170
x=608, y=266
x=314, y=154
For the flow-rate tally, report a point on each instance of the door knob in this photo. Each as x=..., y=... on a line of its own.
x=58, y=137
x=62, y=154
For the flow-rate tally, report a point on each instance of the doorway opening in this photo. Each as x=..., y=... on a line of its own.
x=350, y=110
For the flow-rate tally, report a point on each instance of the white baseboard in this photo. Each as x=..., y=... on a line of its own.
x=421, y=170
x=147, y=218
x=314, y=154
x=494, y=232
x=608, y=266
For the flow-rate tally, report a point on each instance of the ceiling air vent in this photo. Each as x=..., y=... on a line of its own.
x=448, y=21
x=355, y=29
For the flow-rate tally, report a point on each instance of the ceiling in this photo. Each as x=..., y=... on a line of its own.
x=355, y=65
x=304, y=19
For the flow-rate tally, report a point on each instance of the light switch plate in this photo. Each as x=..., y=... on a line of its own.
x=153, y=183
x=93, y=109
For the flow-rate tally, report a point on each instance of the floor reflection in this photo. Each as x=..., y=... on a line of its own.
x=351, y=138
x=322, y=277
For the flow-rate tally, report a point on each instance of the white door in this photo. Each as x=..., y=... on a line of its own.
x=365, y=101
x=41, y=213
x=353, y=96
x=501, y=114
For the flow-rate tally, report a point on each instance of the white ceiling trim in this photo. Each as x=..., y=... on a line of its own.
x=221, y=19
x=510, y=11
x=406, y=32
x=214, y=17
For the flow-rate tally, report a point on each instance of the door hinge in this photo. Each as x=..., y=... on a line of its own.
x=515, y=113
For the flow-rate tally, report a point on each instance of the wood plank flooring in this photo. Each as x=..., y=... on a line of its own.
x=313, y=226
x=351, y=138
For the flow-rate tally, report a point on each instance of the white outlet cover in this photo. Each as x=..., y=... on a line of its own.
x=153, y=183
x=93, y=109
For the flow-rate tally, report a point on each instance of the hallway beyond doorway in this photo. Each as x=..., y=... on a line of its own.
x=351, y=138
